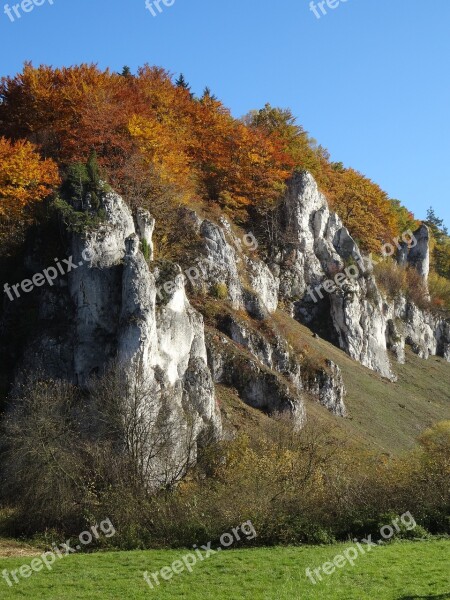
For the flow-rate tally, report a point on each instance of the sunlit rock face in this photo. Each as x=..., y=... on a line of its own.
x=315, y=247
x=108, y=314
x=110, y=310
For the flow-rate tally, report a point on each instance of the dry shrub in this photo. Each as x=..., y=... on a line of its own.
x=394, y=279
x=391, y=277
x=440, y=292
x=308, y=486
x=417, y=289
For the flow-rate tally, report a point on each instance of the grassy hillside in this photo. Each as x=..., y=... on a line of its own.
x=385, y=416
x=399, y=571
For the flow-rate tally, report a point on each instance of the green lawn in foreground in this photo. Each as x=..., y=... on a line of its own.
x=405, y=570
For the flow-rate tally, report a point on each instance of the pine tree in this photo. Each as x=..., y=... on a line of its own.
x=182, y=83
x=441, y=251
x=207, y=95
x=436, y=222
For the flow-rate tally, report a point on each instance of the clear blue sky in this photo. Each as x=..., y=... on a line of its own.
x=370, y=80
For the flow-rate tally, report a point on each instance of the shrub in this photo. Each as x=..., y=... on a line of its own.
x=416, y=289
x=390, y=277
x=220, y=291
x=308, y=486
x=394, y=279
x=440, y=291
x=78, y=221
x=42, y=471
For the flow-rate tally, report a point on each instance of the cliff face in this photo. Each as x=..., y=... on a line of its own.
x=110, y=309
x=313, y=251
x=106, y=313
x=319, y=247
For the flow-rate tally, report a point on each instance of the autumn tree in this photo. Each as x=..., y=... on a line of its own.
x=192, y=147
x=25, y=178
x=280, y=124
x=405, y=218
x=67, y=112
x=365, y=209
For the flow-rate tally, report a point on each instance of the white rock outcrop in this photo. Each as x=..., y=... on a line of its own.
x=115, y=318
x=117, y=305
x=314, y=247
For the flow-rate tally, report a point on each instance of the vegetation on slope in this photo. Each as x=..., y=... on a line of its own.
x=161, y=146
x=164, y=148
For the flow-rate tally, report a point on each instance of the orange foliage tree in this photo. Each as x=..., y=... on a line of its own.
x=192, y=145
x=365, y=209
x=24, y=177
x=68, y=112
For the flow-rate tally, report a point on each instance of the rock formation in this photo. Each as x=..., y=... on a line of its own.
x=110, y=310
x=106, y=313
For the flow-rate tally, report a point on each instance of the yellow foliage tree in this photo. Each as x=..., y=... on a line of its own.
x=25, y=178
x=365, y=209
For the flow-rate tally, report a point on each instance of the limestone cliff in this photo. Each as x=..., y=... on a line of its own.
x=110, y=309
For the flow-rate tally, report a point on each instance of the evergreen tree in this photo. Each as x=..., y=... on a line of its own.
x=74, y=186
x=93, y=170
x=207, y=95
x=435, y=222
x=182, y=83
x=441, y=251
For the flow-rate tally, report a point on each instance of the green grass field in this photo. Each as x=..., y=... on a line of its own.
x=399, y=571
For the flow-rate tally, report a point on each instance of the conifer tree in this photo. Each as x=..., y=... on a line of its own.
x=182, y=83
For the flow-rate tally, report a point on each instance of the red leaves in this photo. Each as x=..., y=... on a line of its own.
x=193, y=144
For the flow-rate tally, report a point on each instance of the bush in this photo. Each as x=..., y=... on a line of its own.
x=79, y=202
x=42, y=470
x=220, y=291
x=440, y=291
x=308, y=486
x=391, y=277
x=77, y=221
x=416, y=289
x=394, y=279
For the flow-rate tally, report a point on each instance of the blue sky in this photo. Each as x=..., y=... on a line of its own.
x=370, y=80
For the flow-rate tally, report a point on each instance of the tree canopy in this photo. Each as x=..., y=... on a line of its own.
x=192, y=144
